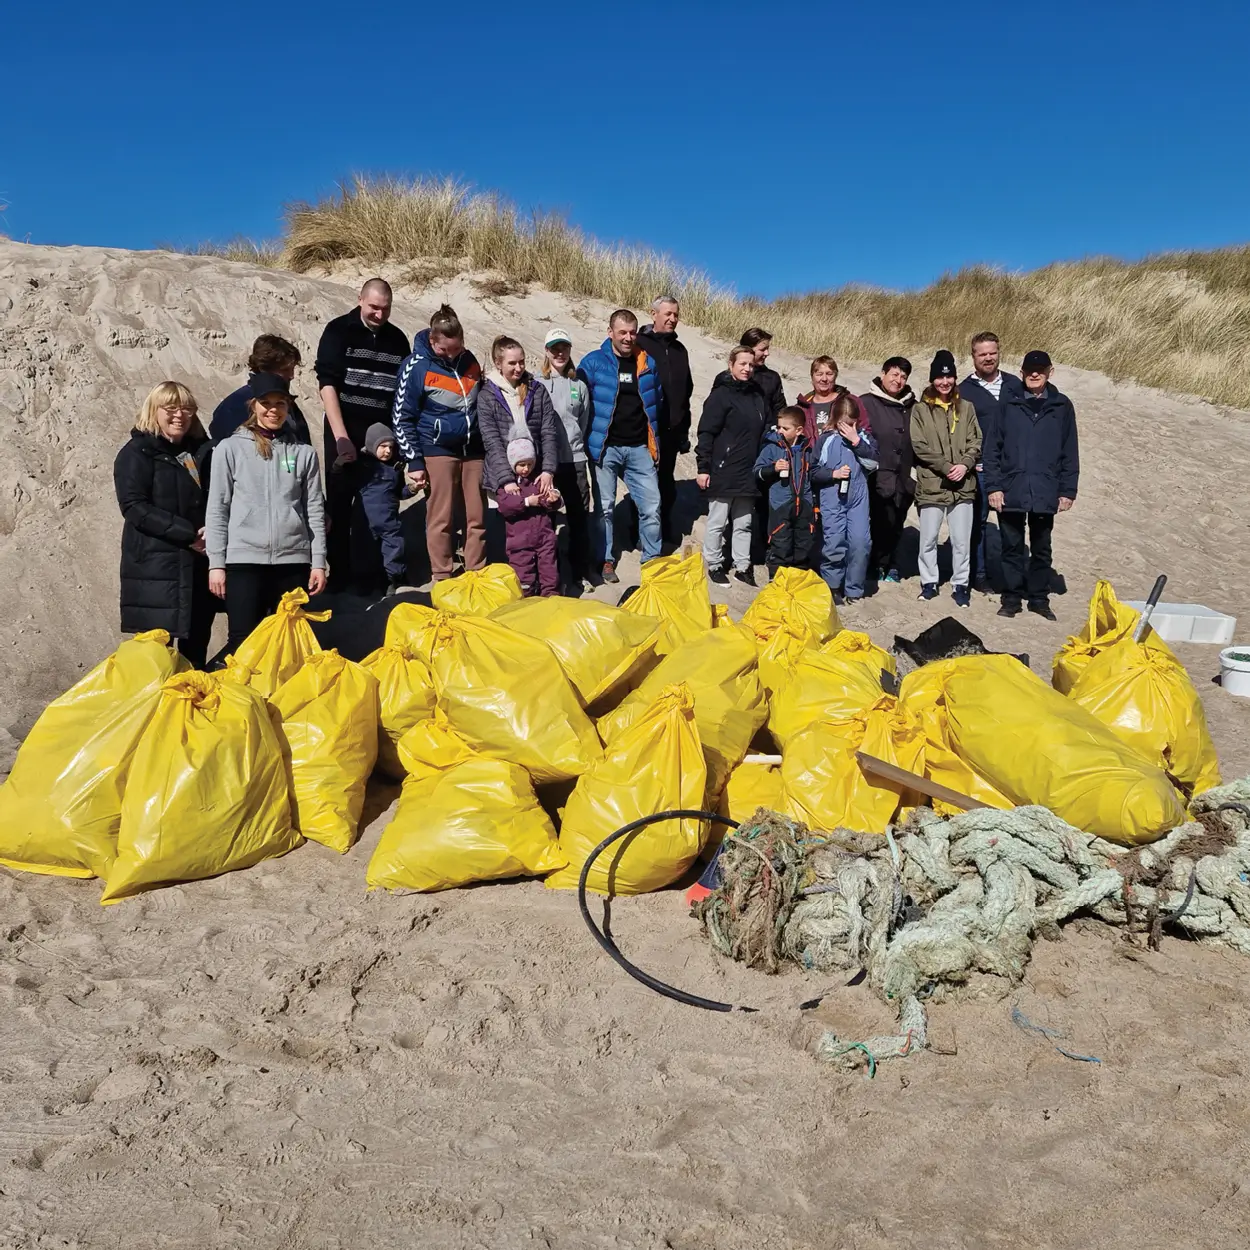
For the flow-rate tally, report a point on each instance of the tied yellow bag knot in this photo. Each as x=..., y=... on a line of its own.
x=1108, y=624
x=477, y=820
x=599, y=647
x=508, y=697
x=674, y=590
x=405, y=694
x=655, y=765
x=852, y=645
x=431, y=747
x=207, y=791
x=823, y=784
x=60, y=809
x=276, y=648
x=793, y=595
x=721, y=671
x=720, y=615
x=328, y=719
x=412, y=625
x=477, y=592
x=779, y=655
x=822, y=685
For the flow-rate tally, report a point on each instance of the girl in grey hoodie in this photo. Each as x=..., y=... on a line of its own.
x=265, y=528
x=571, y=399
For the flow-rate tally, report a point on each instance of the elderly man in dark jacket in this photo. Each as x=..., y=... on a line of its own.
x=888, y=407
x=672, y=362
x=1032, y=466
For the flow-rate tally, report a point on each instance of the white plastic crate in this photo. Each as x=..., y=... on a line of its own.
x=1190, y=622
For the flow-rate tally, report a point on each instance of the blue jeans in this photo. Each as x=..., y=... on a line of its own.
x=635, y=465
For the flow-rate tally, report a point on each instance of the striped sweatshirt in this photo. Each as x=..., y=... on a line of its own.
x=361, y=365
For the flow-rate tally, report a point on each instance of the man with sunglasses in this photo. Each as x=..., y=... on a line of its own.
x=1031, y=465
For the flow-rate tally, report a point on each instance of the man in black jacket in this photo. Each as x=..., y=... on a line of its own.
x=358, y=359
x=984, y=388
x=270, y=354
x=659, y=340
x=888, y=409
x=1032, y=465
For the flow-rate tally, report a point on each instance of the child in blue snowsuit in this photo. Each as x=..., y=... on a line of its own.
x=380, y=493
x=784, y=467
x=845, y=455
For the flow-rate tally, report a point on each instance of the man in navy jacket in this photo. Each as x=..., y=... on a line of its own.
x=1032, y=466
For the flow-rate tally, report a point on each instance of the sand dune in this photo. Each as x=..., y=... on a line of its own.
x=275, y=1059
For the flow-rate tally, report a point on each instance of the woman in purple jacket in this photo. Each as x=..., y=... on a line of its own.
x=512, y=405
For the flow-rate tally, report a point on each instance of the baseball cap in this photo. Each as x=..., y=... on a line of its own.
x=558, y=336
x=261, y=384
x=1036, y=362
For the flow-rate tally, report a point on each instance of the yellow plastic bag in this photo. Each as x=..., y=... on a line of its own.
x=674, y=589
x=411, y=625
x=405, y=696
x=431, y=747
x=852, y=645
x=277, y=647
x=1109, y=623
x=477, y=820
x=822, y=686
x=923, y=694
x=598, y=646
x=720, y=615
x=1144, y=695
x=729, y=704
x=798, y=596
x=1036, y=746
x=822, y=783
x=653, y=766
x=207, y=792
x=778, y=656
x=61, y=806
x=329, y=731
x=477, y=592
x=507, y=696
x=751, y=786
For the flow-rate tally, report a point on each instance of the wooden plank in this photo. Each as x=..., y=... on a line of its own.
x=911, y=781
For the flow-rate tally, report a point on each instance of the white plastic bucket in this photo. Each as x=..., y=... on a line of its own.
x=1235, y=674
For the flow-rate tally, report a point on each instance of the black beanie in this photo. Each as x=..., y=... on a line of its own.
x=943, y=366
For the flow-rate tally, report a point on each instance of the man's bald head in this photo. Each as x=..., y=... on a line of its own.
x=375, y=303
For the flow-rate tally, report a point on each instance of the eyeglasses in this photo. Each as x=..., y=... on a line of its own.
x=176, y=408
x=1035, y=373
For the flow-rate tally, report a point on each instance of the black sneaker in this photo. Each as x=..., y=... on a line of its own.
x=838, y=599
x=1011, y=607
x=609, y=573
x=849, y=600
x=928, y=591
x=962, y=596
x=393, y=587
x=746, y=576
x=1043, y=610
x=719, y=576
x=982, y=586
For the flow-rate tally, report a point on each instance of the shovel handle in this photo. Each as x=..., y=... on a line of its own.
x=1148, y=611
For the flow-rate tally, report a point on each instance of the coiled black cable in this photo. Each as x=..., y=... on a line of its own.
x=605, y=939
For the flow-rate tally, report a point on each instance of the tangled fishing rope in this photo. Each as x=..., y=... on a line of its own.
x=954, y=906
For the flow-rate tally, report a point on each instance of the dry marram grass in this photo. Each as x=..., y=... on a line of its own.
x=1179, y=320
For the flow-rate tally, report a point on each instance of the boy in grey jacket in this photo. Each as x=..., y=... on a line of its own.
x=264, y=531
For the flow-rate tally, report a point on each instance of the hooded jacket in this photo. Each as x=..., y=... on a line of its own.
x=834, y=452
x=785, y=492
x=735, y=416
x=265, y=511
x=162, y=502
x=938, y=448
x=570, y=397
x=672, y=363
x=435, y=412
x=889, y=418
x=598, y=369
x=1032, y=454
x=498, y=421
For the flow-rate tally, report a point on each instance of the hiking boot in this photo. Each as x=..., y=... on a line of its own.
x=609, y=573
x=1042, y=609
x=719, y=576
x=745, y=576
x=962, y=597
x=982, y=586
x=1011, y=607
x=928, y=591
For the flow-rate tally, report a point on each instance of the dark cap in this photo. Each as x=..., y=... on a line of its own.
x=1035, y=362
x=267, y=384
x=943, y=366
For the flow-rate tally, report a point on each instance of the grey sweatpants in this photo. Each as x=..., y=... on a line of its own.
x=720, y=513
x=959, y=521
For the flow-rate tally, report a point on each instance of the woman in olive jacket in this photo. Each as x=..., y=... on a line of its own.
x=161, y=479
x=946, y=443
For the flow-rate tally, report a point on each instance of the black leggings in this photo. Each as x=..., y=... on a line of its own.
x=252, y=593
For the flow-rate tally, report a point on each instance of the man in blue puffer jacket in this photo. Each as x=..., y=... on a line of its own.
x=624, y=439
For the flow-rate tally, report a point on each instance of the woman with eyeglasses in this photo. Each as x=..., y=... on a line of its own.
x=265, y=527
x=161, y=479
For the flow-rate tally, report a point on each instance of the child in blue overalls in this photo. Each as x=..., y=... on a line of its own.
x=845, y=455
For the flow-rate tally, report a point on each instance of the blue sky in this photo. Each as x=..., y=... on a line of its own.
x=779, y=146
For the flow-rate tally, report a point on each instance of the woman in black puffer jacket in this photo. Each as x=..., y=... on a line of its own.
x=735, y=415
x=161, y=477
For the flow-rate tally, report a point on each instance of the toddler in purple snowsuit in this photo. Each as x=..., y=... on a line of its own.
x=527, y=510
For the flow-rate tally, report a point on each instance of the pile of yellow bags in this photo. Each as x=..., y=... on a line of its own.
x=673, y=589
x=476, y=592
x=795, y=597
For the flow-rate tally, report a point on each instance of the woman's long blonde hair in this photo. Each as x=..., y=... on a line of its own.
x=264, y=444
x=165, y=395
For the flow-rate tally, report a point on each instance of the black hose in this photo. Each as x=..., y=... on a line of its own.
x=604, y=938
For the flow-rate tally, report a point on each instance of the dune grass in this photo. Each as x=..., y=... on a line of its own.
x=1179, y=320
